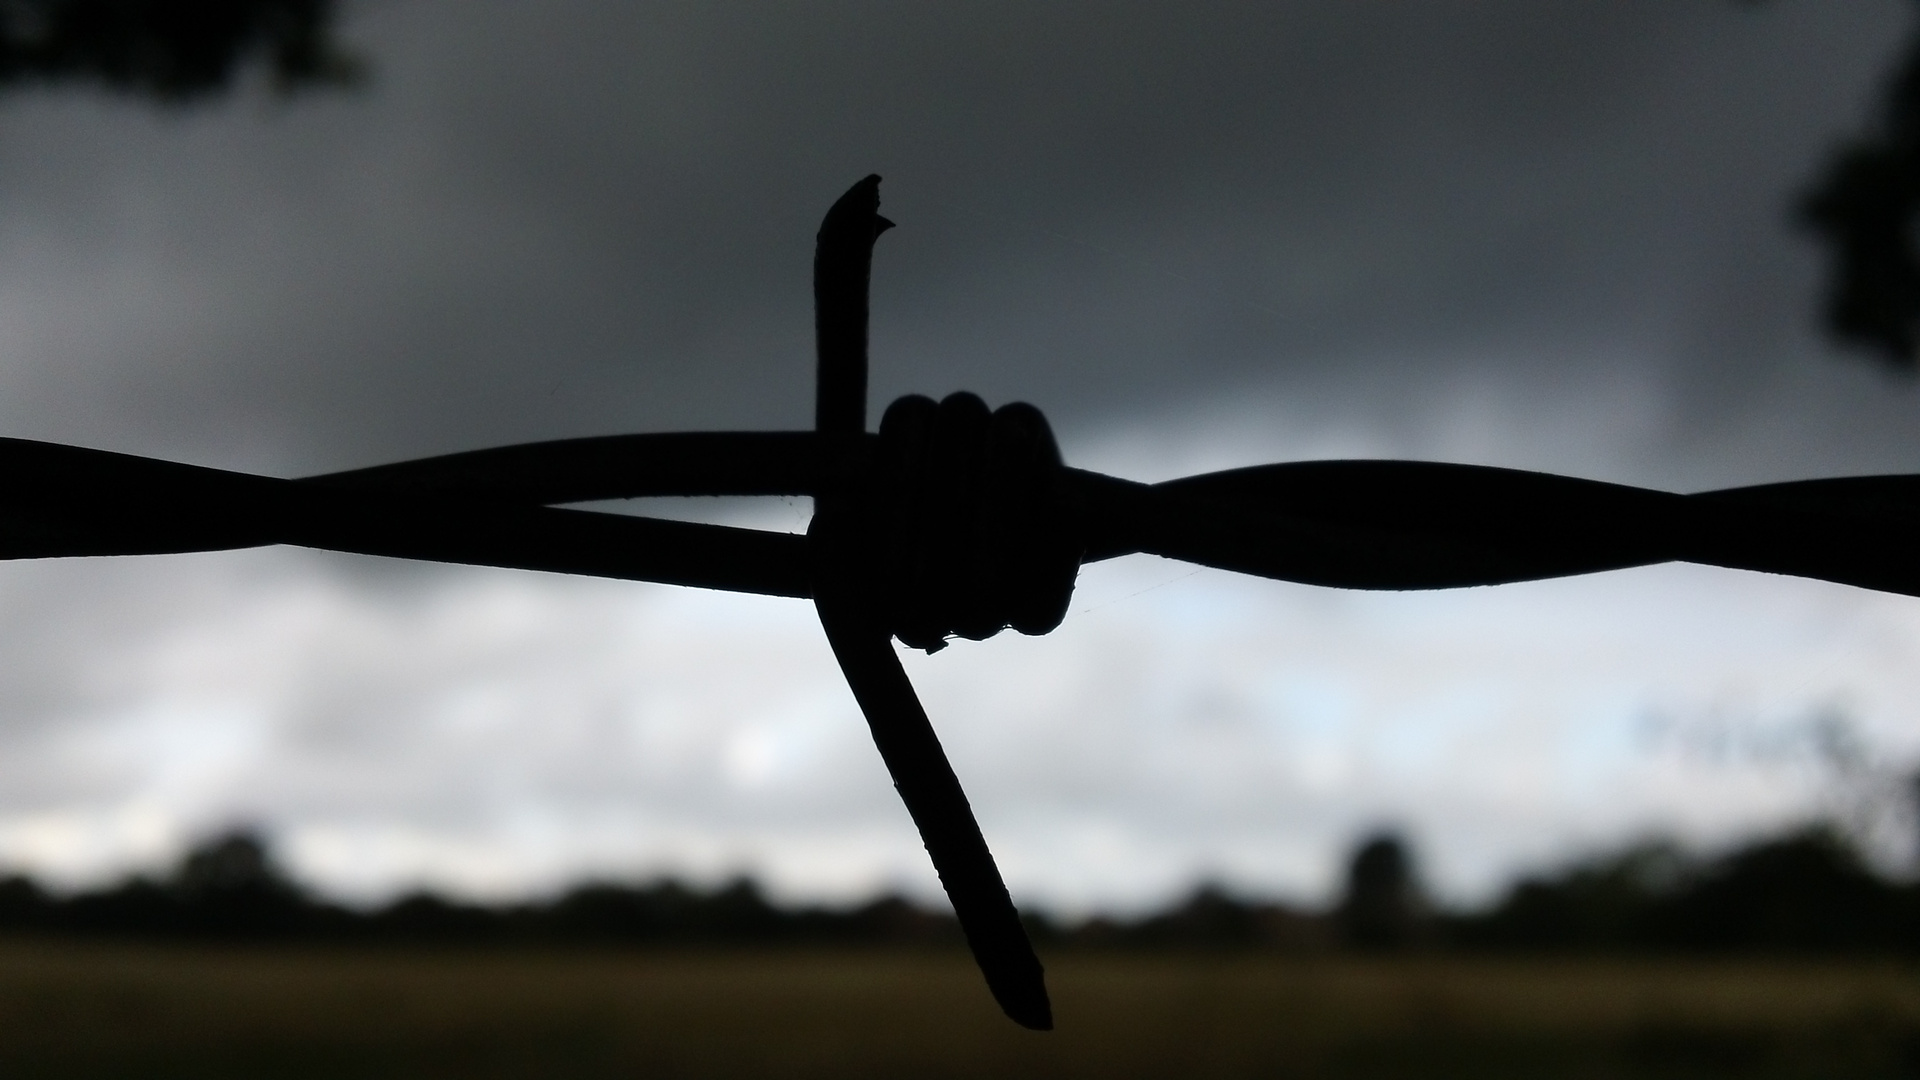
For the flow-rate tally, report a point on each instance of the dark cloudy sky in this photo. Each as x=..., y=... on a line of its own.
x=1539, y=233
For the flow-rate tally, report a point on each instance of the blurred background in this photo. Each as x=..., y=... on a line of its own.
x=1605, y=238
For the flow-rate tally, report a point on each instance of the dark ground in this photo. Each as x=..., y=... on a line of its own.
x=78, y=1010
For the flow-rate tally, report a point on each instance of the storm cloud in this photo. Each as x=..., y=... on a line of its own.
x=1548, y=235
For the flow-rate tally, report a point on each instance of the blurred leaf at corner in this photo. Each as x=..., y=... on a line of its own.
x=172, y=50
x=1863, y=207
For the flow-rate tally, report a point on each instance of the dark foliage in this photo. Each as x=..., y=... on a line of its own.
x=1211, y=919
x=1603, y=904
x=1864, y=208
x=169, y=49
x=1808, y=892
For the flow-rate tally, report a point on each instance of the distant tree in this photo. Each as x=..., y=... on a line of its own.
x=237, y=861
x=1383, y=908
x=230, y=886
x=23, y=904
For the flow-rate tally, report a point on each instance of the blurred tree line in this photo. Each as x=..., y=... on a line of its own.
x=1808, y=892
x=231, y=889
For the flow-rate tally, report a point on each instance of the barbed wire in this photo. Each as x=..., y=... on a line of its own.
x=951, y=519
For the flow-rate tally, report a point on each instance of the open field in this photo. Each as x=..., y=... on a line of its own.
x=94, y=1011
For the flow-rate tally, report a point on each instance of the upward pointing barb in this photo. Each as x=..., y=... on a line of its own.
x=842, y=265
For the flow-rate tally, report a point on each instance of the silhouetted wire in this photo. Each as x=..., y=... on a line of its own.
x=953, y=519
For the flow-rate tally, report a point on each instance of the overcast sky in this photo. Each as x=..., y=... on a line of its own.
x=1538, y=233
